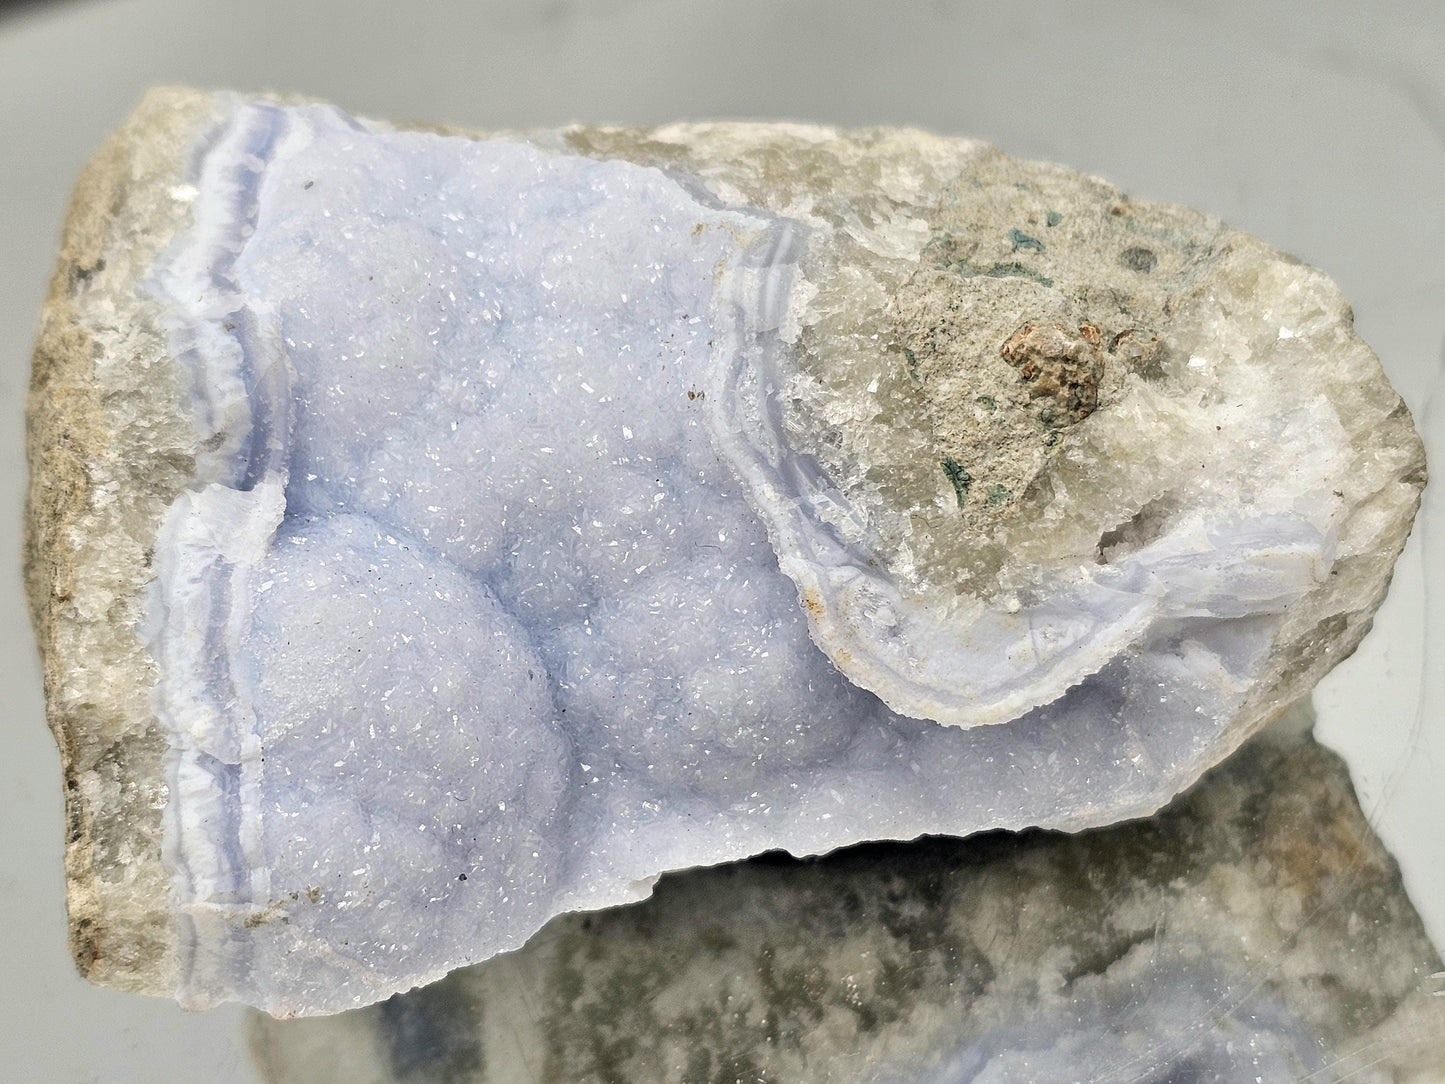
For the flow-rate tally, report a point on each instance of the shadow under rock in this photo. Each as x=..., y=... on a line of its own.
x=1254, y=929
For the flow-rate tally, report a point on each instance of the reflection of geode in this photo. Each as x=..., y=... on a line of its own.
x=1171, y=1020
x=1255, y=929
x=418, y=522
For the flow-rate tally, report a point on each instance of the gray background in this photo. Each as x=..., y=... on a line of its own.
x=1318, y=125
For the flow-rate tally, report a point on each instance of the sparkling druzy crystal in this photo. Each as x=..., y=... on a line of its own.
x=1254, y=930
x=433, y=533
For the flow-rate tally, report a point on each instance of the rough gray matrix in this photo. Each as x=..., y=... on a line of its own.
x=431, y=533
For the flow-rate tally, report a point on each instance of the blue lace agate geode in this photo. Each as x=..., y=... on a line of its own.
x=513, y=458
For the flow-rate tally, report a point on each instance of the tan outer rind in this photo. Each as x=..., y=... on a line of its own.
x=109, y=447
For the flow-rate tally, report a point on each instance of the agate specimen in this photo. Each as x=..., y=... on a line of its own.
x=1254, y=930
x=432, y=533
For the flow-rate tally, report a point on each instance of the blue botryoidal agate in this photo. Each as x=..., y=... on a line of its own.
x=1255, y=929
x=572, y=507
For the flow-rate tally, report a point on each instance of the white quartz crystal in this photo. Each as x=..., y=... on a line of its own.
x=573, y=507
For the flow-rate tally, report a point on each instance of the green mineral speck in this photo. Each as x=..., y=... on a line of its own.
x=912, y=359
x=1003, y=270
x=988, y=402
x=1014, y=269
x=1053, y=218
x=960, y=479
x=1019, y=240
x=997, y=494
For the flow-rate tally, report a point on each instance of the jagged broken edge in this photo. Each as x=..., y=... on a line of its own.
x=109, y=446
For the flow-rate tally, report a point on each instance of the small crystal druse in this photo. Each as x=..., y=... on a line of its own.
x=1255, y=930
x=432, y=533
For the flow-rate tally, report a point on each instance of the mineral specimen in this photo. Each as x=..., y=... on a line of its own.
x=433, y=533
x=1255, y=930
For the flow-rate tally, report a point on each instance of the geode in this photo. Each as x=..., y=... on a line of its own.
x=431, y=533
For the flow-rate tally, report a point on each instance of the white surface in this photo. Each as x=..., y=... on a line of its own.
x=1318, y=126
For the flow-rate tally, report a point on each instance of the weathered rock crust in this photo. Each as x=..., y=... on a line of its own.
x=110, y=446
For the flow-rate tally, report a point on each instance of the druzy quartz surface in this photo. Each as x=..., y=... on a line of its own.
x=1253, y=930
x=566, y=508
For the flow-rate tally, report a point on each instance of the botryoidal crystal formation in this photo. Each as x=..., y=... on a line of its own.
x=432, y=533
x=1253, y=930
